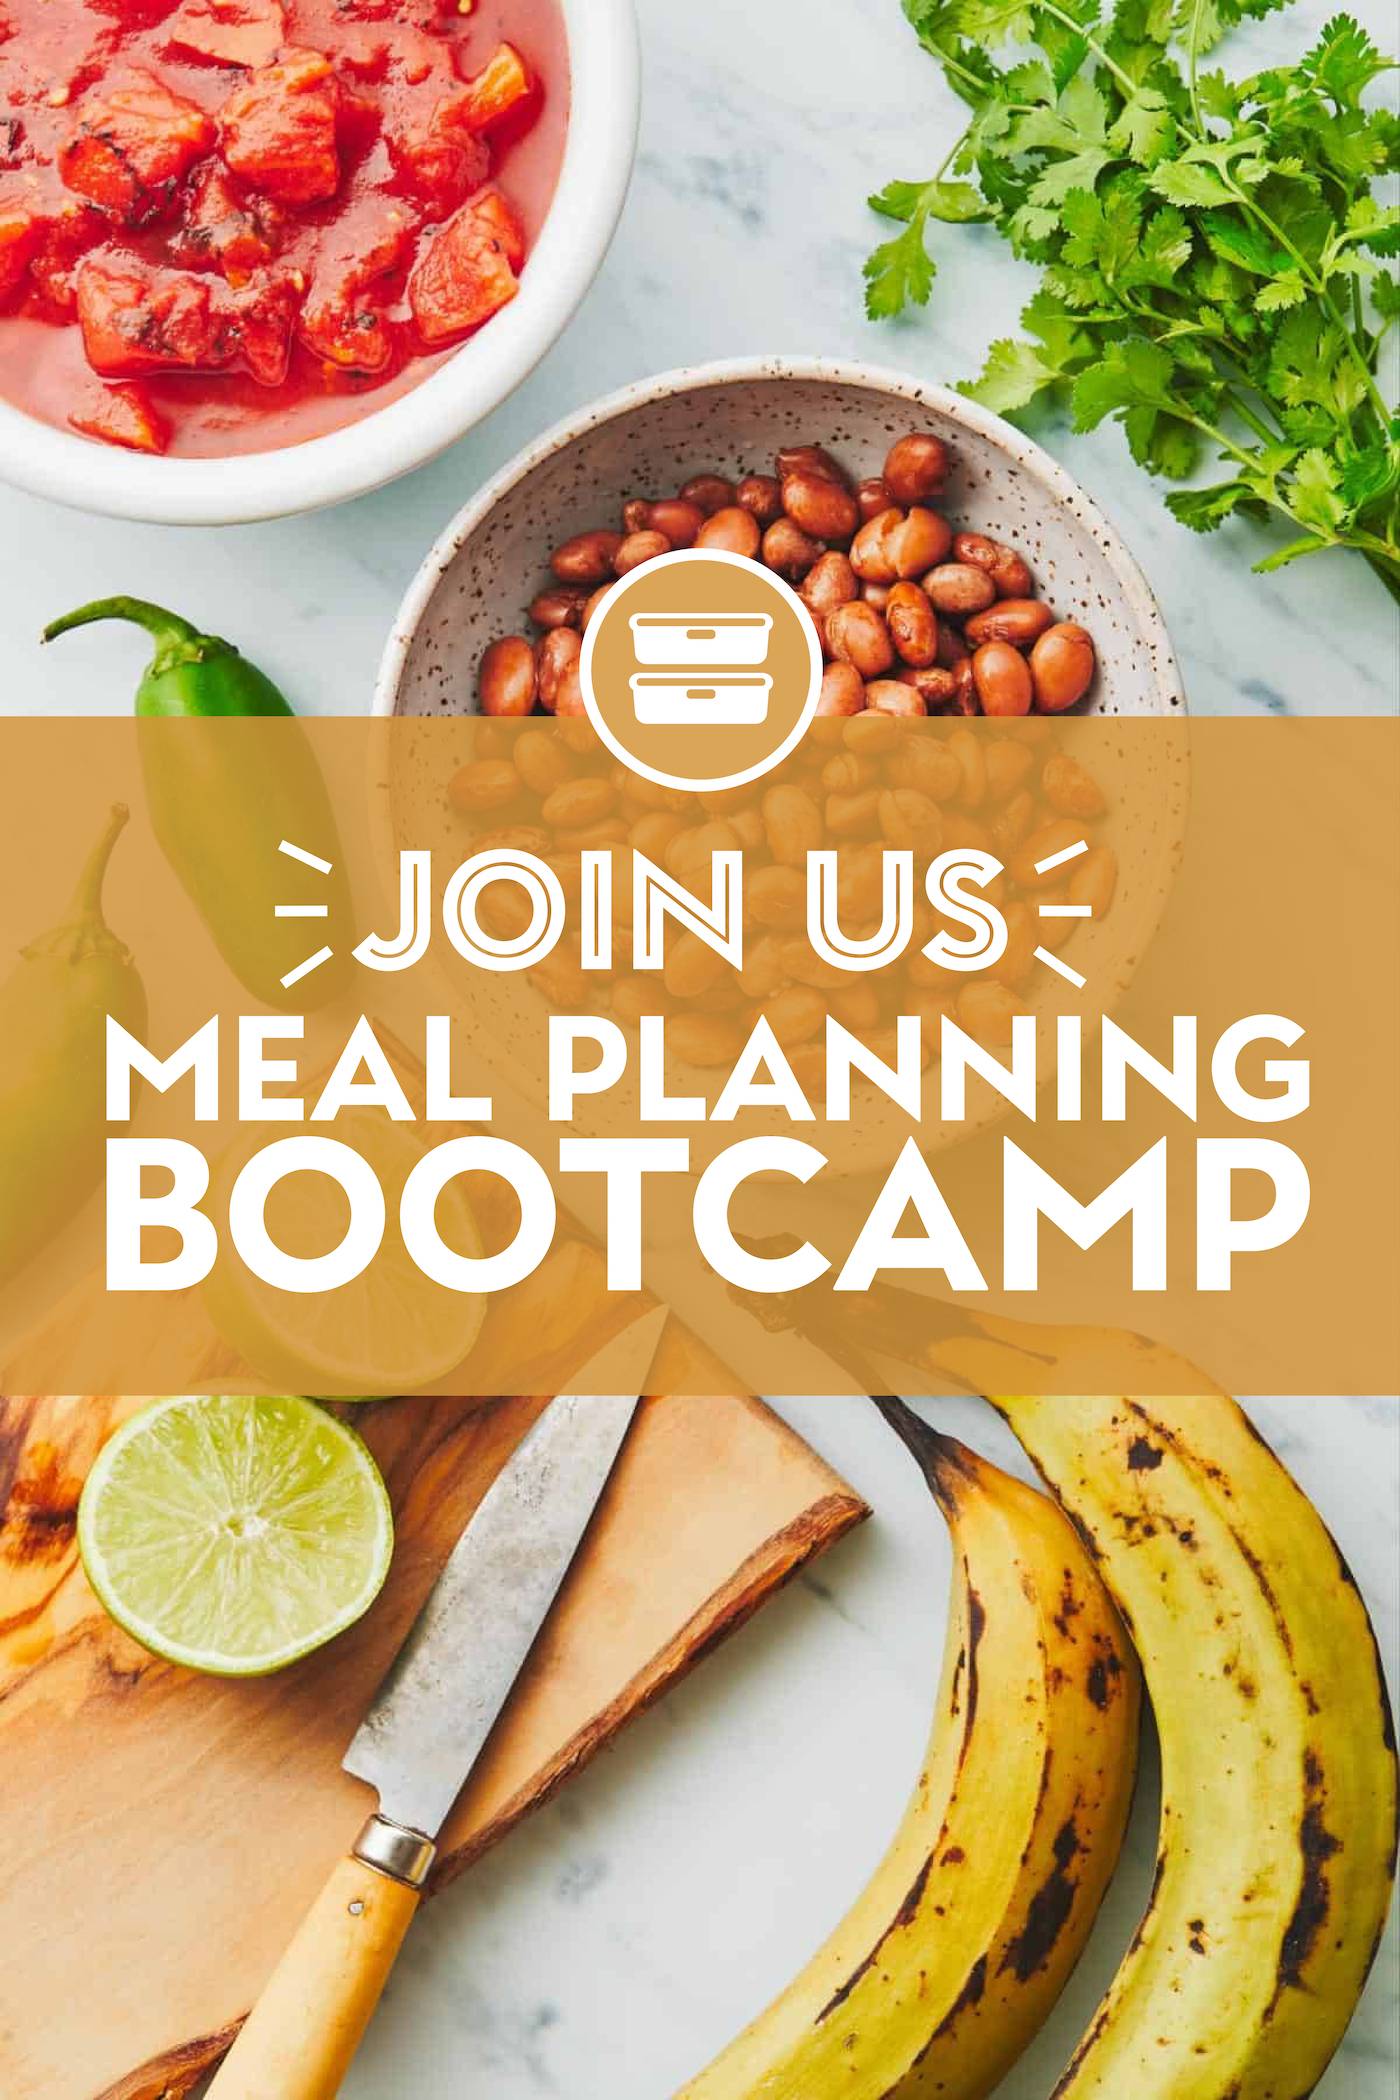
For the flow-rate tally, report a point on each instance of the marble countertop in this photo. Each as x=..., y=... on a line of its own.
x=621, y=1937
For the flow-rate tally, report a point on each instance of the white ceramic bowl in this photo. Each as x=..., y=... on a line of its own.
x=605, y=101
x=481, y=575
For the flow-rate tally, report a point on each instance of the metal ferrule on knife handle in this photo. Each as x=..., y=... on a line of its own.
x=402, y=1855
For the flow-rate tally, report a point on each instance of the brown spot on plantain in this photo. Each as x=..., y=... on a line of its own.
x=905, y=1915
x=1143, y=1457
x=1048, y=1912
x=1318, y=1847
x=1105, y=1675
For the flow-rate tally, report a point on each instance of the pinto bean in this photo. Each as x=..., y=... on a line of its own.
x=819, y=505
x=843, y=690
x=873, y=497
x=555, y=653
x=811, y=459
x=708, y=492
x=1003, y=679
x=959, y=588
x=856, y=634
x=1068, y=787
x=1018, y=620
x=586, y=558
x=506, y=681
x=873, y=549
x=637, y=548
x=936, y=687
x=829, y=582
x=730, y=531
x=916, y=467
x=913, y=625
x=762, y=494
x=1003, y=564
x=1062, y=667
x=789, y=551
x=921, y=542
x=891, y=696
x=679, y=520
x=485, y=784
x=561, y=606
x=910, y=818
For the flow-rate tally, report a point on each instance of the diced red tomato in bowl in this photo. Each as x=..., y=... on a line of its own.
x=248, y=215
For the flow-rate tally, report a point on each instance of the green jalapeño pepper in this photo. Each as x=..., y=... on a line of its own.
x=222, y=801
x=53, y=1031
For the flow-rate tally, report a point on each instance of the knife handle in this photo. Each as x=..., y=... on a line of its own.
x=299, y=2039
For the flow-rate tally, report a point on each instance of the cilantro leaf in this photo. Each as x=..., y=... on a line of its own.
x=1013, y=375
x=899, y=273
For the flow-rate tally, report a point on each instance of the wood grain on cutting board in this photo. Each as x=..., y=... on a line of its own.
x=175, y=1827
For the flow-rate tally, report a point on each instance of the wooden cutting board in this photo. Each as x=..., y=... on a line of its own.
x=166, y=1831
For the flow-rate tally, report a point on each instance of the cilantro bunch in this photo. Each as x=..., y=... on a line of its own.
x=1213, y=250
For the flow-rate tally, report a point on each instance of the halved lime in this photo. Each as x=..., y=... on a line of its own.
x=235, y=1534
x=392, y=1330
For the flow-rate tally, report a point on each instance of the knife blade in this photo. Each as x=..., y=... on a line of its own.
x=427, y=1725
x=443, y=1692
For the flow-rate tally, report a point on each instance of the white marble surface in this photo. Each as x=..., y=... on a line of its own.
x=614, y=1943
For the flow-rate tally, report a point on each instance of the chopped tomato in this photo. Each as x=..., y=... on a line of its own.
x=228, y=32
x=439, y=162
x=338, y=323
x=466, y=273
x=138, y=319
x=64, y=240
x=222, y=228
x=19, y=238
x=278, y=130
x=132, y=146
x=121, y=415
x=503, y=83
x=265, y=311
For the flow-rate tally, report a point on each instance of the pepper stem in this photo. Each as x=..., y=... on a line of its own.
x=87, y=897
x=165, y=628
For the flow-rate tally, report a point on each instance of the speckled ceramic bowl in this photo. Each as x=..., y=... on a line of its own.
x=479, y=579
x=647, y=439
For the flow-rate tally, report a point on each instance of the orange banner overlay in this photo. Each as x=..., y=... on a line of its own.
x=366, y=1057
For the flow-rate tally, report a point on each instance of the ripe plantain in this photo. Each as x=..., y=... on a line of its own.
x=954, y=1955
x=1277, y=1853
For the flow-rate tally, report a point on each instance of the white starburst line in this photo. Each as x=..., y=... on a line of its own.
x=1065, y=911
x=1061, y=969
x=304, y=969
x=1057, y=860
x=308, y=860
x=301, y=911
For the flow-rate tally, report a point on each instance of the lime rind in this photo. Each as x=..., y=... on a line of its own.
x=235, y=1534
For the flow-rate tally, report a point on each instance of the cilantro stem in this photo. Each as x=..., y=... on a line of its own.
x=1193, y=47
x=1125, y=80
x=1319, y=291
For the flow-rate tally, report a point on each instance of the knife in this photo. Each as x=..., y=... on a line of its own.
x=425, y=1730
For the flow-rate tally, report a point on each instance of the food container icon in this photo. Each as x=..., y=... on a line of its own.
x=675, y=701
x=700, y=638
